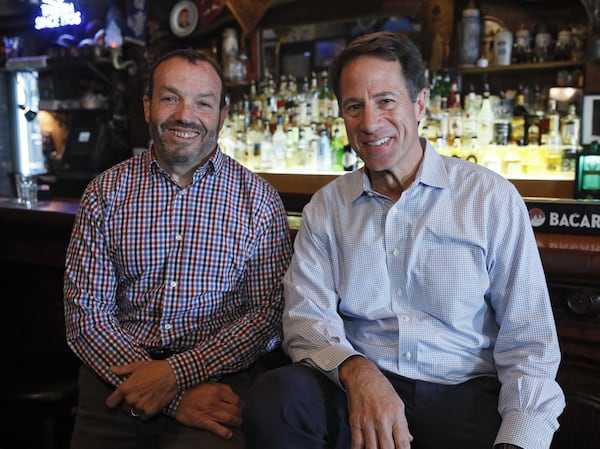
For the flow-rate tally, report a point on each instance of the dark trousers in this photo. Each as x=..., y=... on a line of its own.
x=99, y=427
x=296, y=407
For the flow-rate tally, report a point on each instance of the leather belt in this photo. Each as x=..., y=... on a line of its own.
x=160, y=353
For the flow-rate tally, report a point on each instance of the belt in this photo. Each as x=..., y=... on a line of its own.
x=160, y=353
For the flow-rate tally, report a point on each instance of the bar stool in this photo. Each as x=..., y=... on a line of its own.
x=38, y=413
x=38, y=381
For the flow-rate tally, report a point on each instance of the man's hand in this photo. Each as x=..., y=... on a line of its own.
x=148, y=389
x=211, y=406
x=377, y=419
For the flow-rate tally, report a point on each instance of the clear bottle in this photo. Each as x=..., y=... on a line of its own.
x=485, y=119
x=266, y=147
x=226, y=141
x=301, y=149
x=324, y=155
x=469, y=122
x=279, y=144
x=551, y=139
x=553, y=118
x=570, y=127
x=290, y=149
x=240, y=148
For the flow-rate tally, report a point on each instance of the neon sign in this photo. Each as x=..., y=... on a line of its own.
x=57, y=13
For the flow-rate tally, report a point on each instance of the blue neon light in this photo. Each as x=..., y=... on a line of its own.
x=56, y=14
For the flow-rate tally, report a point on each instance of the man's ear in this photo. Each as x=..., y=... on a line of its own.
x=146, y=102
x=224, y=113
x=421, y=104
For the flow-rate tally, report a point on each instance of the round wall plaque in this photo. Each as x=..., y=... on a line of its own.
x=184, y=18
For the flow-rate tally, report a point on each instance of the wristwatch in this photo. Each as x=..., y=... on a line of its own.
x=506, y=446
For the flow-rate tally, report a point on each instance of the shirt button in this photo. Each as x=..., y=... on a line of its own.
x=408, y=355
x=399, y=292
x=406, y=318
x=178, y=237
x=168, y=326
x=395, y=252
x=173, y=284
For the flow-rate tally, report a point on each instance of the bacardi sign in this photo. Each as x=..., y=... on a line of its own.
x=565, y=216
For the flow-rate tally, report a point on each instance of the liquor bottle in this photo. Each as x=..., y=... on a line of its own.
x=313, y=94
x=570, y=127
x=455, y=120
x=290, y=149
x=469, y=122
x=337, y=149
x=350, y=161
x=266, y=147
x=569, y=131
x=226, y=142
x=502, y=121
x=444, y=121
x=485, y=119
x=256, y=102
x=302, y=149
x=552, y=138
x=518, y=131
x=279, y=143
x=324, y=156
x=239, y=152
x=253, y=143
x=535, y=121
x=553, y=118
x=324, y=99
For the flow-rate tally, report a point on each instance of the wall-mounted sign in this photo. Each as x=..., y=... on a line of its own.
x=56, y=14
x=564, y=216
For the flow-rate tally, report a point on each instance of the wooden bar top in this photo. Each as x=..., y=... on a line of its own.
x=563, y=255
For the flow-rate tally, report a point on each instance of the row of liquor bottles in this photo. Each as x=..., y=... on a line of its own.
x=273, y=128
x=521, y=117
x=295, y=148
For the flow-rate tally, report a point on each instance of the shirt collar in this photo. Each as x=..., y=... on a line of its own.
x=432, y=172
x=213, y=165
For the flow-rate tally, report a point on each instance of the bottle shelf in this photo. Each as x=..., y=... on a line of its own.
x=547, y=186
x=551, y=65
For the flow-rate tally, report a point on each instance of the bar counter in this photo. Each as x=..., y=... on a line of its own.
x=33, y=244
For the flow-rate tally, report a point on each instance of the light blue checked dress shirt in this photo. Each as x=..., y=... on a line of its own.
x=443, y=285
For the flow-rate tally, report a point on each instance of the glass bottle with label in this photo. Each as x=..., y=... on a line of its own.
x=570, y=134
x=350, y=160
x=551, y=139
x=485, y=119
x=518, y=130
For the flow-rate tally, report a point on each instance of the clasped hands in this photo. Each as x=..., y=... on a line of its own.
x=151, y=385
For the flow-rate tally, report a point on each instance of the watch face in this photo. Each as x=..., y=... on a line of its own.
x=184, y=18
